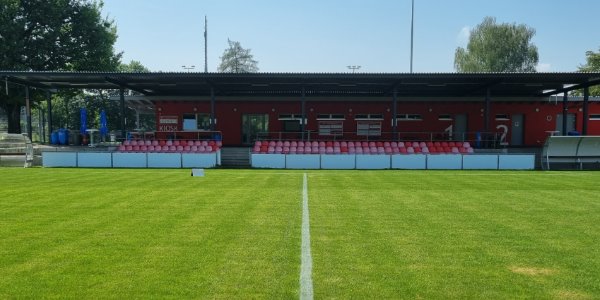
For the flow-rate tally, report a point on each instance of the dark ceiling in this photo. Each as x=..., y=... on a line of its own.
x=313, y=84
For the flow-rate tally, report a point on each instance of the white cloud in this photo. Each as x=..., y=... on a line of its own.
x=463, y=36
x=543, y=67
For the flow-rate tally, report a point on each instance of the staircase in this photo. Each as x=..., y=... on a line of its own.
x=235, y=157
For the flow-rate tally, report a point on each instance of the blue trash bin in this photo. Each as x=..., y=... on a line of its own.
x=63, y=136
x=54, y=138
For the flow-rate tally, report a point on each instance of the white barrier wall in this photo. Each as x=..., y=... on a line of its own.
x=302, y=161
x=516, y=162
x=268, y=161
x=372, y=162
x=59, y=159
x=129, y=160
x=397, y=161
x=410, y=162
x=480, y=162
x=444, y=161
x=94, y=159
x=164, y=160
x=87, y=159
x=338, y=162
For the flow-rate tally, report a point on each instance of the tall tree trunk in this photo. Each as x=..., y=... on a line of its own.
x=13, y=116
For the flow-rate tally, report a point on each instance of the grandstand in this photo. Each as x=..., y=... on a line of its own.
x=491, y=112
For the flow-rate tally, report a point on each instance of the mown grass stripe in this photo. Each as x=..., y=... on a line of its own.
x=306, y=284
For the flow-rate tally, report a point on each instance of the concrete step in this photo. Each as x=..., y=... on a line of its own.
x=235, y=156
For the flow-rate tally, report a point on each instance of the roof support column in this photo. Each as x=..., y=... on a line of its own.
x=303, y=109
x=486, y=113
x=394, y=113
x=122, y=97
x=28, y=113
x=49, y=104
x=586, y=119
x=565, y=113
x=213, y=121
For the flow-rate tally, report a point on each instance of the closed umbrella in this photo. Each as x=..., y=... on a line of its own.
x=83, y=118
x=103, y=124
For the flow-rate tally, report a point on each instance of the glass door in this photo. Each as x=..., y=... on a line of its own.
x=253, y=125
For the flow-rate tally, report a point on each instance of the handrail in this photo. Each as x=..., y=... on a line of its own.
x=478, y=139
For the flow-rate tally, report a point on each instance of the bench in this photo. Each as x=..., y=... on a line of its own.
x=574, y=150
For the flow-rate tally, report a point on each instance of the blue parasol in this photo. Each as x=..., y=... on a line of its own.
x=83, y=117
x=103, y=123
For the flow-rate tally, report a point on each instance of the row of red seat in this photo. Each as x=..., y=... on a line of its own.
x=361, y=144
x=364, y=148
x=171, y=143
x=168, y=146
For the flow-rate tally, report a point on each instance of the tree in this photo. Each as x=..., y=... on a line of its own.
x=52, y=35
x=236, y=59
x=498, y=48
x=592, y=65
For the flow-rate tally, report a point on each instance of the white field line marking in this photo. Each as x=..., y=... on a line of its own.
x=306, y=285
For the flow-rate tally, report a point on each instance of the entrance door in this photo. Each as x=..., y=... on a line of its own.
x=516, y=130
x=252, y=126
x=570, y=123
x=460, y=127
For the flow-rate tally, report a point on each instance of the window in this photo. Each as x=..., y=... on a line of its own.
x=409, y=117
x=203, y=121
x=193, y=122
x=290, y=117
x=291, y=122
x=331, y=117
x=335, y=128
x=368, y=117
x=445, y=117
x=189, y=122
x=368, y=128
x=594, y=117
x=502, y=117
x=291, y=125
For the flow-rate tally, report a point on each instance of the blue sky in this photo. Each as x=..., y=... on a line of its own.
x=328, y=35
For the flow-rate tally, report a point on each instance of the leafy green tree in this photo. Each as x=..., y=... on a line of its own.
x=498, y=48
x=236, y=59
x=66, y=106
x=592, y=65
x=51, y=35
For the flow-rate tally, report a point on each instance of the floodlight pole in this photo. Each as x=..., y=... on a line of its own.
x=353, y=68
x=188, y=68
x=205, y=45
x=412, y=30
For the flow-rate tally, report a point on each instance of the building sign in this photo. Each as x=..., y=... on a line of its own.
x=168, y=123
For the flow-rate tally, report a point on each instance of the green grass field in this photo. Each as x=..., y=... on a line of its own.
x=104, y=233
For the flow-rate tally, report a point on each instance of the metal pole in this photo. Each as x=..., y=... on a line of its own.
x=394, y=112
x=205, y=45
x=412, y=30
x=486, y=115
x=565, y=113
x=122, y=96
x=303, y=108
x=586, y=119
x=28, y=112
x=212, y=109
x=49, y=103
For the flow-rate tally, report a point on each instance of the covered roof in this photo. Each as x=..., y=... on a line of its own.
x=314, y=84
